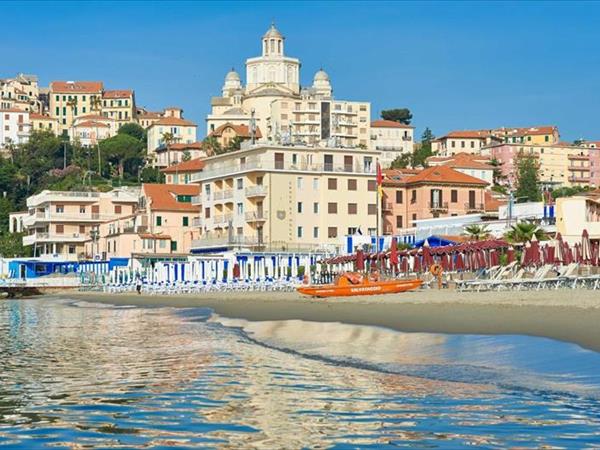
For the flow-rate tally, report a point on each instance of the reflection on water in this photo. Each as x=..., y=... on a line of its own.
x=87, y=376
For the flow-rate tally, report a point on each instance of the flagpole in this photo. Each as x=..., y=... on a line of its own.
x=378, y=204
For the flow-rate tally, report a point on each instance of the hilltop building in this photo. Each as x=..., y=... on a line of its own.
x=22, y=93
x=392, y=139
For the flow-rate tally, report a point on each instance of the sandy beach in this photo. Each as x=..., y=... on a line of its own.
x=566, y=315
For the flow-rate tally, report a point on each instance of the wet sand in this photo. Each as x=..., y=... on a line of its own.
x=566, y=315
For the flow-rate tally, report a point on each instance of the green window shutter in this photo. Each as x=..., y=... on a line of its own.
x=173, y=246
x=158, y=221
x=186, y=221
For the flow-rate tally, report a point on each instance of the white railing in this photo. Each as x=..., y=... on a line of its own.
x=197, y=199
x=231, y=169
x=197, y=222
x=256, y=215
x=54, y=237
x=255, y=191
x=224, y=240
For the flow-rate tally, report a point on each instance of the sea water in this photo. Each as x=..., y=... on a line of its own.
x=84, y=375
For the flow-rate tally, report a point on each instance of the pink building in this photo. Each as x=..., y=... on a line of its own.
x=434, y=192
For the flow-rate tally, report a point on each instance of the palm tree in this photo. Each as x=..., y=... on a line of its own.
x=72, y=103
x=168, y=139
x=523, y=232
x=95, y=103
x=477, y=232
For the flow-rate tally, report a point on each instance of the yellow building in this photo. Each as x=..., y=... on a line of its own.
x=286, y=197
x=182, y=131
x=40, y=122
x=69, y=99
x=575, y=214
x=119, y=105
x=21, y=92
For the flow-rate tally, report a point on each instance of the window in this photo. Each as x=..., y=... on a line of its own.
x=399, y=195
x=462, y=144
x=82, y=209
x=240, y=183
x=300, y=207
x=315, y=232
x=472, y=144
x=352, y=230
x=372, y=185
x=162, y=243
x=546, y=138
x=352, y=208
x=414, y=218
x=279, y=161
x=452, y=144
x=72, y=249
x=372, y=209
x=117, y=209
x=352, y=185
x=331, y=232
x=413, y=196
x=186, y=221
x=207, y=213
x=299, y=183
x=399, y=222
x=454, y=196
x=328, y=163
x=240, y=208
x=158, y=221
x=316, y=184
x=60, y=209
x=184, y=199
x=60, y=228
x=332, y=208
x=332, y=184
x=316, y=207
x=173, y=246
x=299, y=233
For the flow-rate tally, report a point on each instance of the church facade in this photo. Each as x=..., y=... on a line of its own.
x=274, y=101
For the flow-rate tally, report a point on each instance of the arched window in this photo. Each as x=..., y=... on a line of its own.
x=279, y=46
x=272, y=45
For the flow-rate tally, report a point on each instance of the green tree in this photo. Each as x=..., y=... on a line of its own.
x=134, y=130
x=234, y=144
x=11, y=246
x=567, y=191
x=123, y=152
x=476, y=232
x=423, y=151
x=523, y=232
x=186, y=156
x=168, y=138
x=528, y=188
x=211, y=145
x=402, y=161
x=401, y=115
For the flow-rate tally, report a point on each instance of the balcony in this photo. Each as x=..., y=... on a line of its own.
x=575, y=179
x=53, y=237
x=474, y=207
x=388, y=229
x=268, y=166
x=579, y=168
x=256, y=191
x=222, y=241
x=62, y=217
x=439, y=207
x=256, y=216
x=387, y=207
x=223, y=195
x=197, y=199
x=578, y=157
x=197, y=221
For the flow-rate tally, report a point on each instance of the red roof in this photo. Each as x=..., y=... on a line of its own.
x=37, y=116
x=388, y=124
x=240, y=130
x=468, y=134
x=14, y=110
x=443, y=175
x=118, y=93
x=81, y=87
x=92, y=124
x=154, y=236
x=95, y=117
x=492, y=203
x=163, y=197
x=174, y=121
x=462, y=161
x=183, y=146
x=193, y=165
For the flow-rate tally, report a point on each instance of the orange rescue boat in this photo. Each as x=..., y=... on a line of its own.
x=350, y=284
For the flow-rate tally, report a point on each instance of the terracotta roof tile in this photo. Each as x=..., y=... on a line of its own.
x=163, y=197
x=174, y=121
x=462, y=161
x=36, y=116
x=154, y=236
x=388, y=124
x=118, y=93
x=183, y=146
x=14, y=110
x=492, y=203
x=92, y=124
x=76, y=86
x=445, y=175
x=193, y=165
x=240, y=130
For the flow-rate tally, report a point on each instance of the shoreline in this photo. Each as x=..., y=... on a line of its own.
x=565, y=315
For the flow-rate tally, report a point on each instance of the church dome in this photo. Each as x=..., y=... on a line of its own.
x=321, y=76
x=232, y=83
x=232, y=75
x=273, y=33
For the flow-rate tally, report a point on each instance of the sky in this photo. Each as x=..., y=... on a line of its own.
x=455, y=65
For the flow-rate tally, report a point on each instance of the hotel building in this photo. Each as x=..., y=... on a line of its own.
x=42, y=122
x=21, y=92
x=119, y=105
x=61, y=223
x=162, y=226
x=469, y=164
x=434, y=192
x=285, y=197
x=182, y=173
x=183, y=132
x=15, y=127
x=69, y=99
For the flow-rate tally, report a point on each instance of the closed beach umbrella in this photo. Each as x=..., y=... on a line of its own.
x=596, y=254
x=394, y=254
x=535, y=251
x=427, y=258
x=586, y=248
x=550, y=256
x=417, y=263
x=236, y=271
x=459, y=263
x=404, y=264
x=360, y=260
x=510, y=255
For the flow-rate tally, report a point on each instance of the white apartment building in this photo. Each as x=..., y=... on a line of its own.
x=21, y=92
x=15, y=127
x=285, y=197
x=183, y=132
x=60, y=223
x=392, y=139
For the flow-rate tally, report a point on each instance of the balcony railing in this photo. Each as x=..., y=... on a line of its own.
x=197, y=221
x=387, y=206
x=580, y=168
x=54, y=237
x=578, y=157
x=579, y=179
x=474, y=207
x=256, y=191
x=438, y=206
x=256, y=216
x=197, y=199
x=262, y=166
x=225, y=241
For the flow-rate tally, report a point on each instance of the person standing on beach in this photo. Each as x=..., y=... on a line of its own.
x=138, y=285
